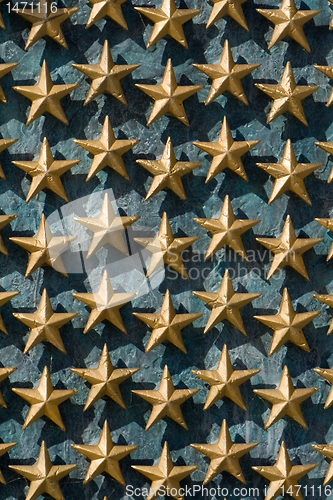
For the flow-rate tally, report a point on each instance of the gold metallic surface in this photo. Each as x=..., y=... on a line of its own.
x=232, y=8
x=327, y=451
x=327, y=374
x=4, y=221
x=4, y=373
x=328, y=147
x=4, y=448
x=4, y=69
x=107, y=8
x=328, y=71
x=326, y=299
x=4, y=298
x=4, y=144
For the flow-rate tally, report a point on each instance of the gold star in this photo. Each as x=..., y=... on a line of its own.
x=44, y=324
x=107, y=151
x=226, y=230
x=45, y=96
x=46, y=172
x=4, y=448
x=328, y=71
x=168, y=20
x=105, y=456
x=44, y=248
x=327, y=299
x=44, y=401
x=231, y=8
x=225, y=381
x=167, y=325
x=166, y=249
x=226, y=153
x=4, y=144
x=288, y=250
x=4, y=69
x=4, y=373
x=2, y=24
x=166, y=401
x=224, y=455
x=4, y=298
x=4, y=221
x=287, y=96
x=284, y=476
x=286, y=400
x=165, y=475
x=105, y=304
x=327, y=450
x=44, y=477
x=168, y=172
x=106, y=76
x=327, y=374
x=287, y=325
x=289, y=22
x=105, y=380
x=328, y=147
x=110, y=8
x=169, y=96
x=226, y=76
x=107, y=228
x=46, y=22
x=331, y=23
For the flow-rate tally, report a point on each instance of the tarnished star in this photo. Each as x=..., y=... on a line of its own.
x=224, y=455
x=225, y=381
x=327, y=299
x=4, y=144
x=45, y=96
x=328, y=71
x=109, y=8
x=169, y=96
x=226, y=304
x=226, y=153
x=167, y=325
x=44, y=401
x=45, y=324
x=4, y=373
x=286, y=400
x=46, y=172
x=168, y=172
x=4, y=298
x=288, y=325
x=105, y=380
x=226, y=76
x=44, y=248
x=288, y=250
x=327, y=374
x=166, y=249
x=284, y=476
x=46, y=21
x=4, y=448
x=107, y=228
x=226, y=230
x=107, y=151
x=105, y=456
x=327, y=451
x=165, y=475
x=44, y=477
x=289, y=22
x=4, y=221
x=232, y=8
x=168, y=20
x=287, y=96
x=105, y=304
x=166, y=400
x=4, y=69
x=106, y=76
x=328, y=147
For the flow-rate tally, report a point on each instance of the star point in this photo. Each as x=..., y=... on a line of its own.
x=232, y=8
x=4, y=144
x=328, y=147
x=4, y=373
x=4, y=69
x=4, y=221
x=327, y=374
x=4, y=298
x=326, y=299
x=107, y=8
x=327, y=451
x=4, y=448
x=328, y=71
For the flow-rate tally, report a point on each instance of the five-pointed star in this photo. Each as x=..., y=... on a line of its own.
x=328, y=147
x=105, y=304
x=226, y=76
x=45, y=96
x=46, y=172
x=105, y=456
x=4, y=373
x=287, y=96
x=226, y=230
x=4, y=144
x=287, y=325
x=109, y=8
x=226, y=153
x=286, y=400
x=328, y=71
x=167, y=325
x=166, y=249
x=165, y=475
x=46, y=22
x=226, y=304
x=284, y=476
x=225, y=381
x=327, y=299
x=5, y=297
x=4, y=221
x=45, y=324
x=44, y=477
x=224, y=455
x=327, y=450
x=44, y=401
x=232, y=8
x=169, y=96
x=44, y=248
x=168, y=20
x=4, y=448
x=105, y=380
x=107, y=151
x=289, y=22
x=4, y=69
x=166, y=400
x=168, y=172
x=288, y=250
x=327, y=374
x=107, y=228
x=106, y=76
